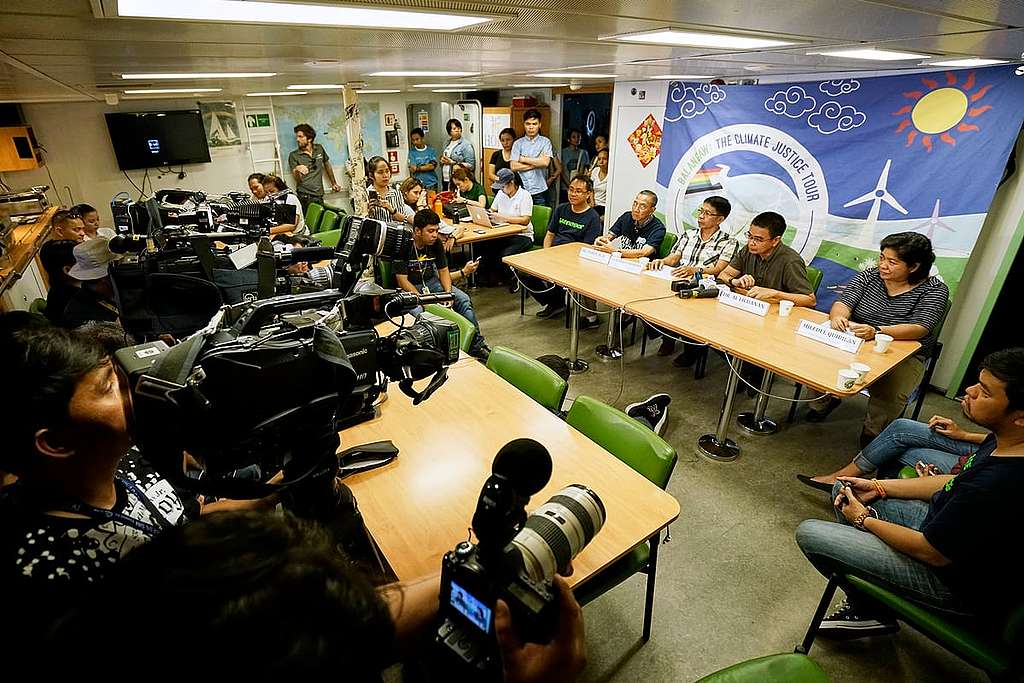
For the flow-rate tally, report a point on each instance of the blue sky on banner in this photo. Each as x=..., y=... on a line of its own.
x=847, y=161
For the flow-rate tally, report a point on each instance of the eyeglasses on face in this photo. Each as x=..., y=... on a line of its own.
x=757, y=239
x=705, y=212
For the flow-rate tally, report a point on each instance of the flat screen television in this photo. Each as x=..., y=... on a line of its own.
x=151, y=139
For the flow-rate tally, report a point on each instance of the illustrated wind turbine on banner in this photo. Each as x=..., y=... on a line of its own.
x=876, y=197
x=928, y=227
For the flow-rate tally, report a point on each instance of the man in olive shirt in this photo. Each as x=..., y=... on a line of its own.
x=308, y=164
x=768, y=269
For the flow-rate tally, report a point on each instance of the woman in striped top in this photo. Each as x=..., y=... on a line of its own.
x=388, y=203
x=900, y=299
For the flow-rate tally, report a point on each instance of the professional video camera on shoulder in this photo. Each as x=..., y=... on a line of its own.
x=271, y=382
x=515, y=560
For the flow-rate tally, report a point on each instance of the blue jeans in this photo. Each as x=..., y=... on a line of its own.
x=904, y=442
x=838, y=548
x=462, y=305
x=540, y=199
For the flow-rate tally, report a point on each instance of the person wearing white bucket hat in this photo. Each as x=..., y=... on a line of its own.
x=95, y=299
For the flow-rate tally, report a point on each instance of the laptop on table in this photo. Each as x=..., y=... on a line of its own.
x=480, y=217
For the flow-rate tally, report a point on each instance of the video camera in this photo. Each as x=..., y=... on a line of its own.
x=515, y=560
x=271, y=382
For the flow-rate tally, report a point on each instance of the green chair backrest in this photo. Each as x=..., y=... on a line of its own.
x=814, y=277
x=530, y=376
x=37, y=306
x=328, y=222
x=624, y=437
x=541, y=216
x=329, y=238
x=490, y=199
x=335, y=208
x=386, y=273
x=466, y=330
x=314, y=214
x=666, y=244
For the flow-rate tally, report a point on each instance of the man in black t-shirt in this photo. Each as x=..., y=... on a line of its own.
x=641, y=232
x=572, y=222
x=423, y=269
x=947, y=541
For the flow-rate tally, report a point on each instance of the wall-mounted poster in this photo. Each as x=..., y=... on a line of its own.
x=389, y=120
x=221, y=124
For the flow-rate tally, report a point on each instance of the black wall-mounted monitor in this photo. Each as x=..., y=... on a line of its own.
x=152, y=139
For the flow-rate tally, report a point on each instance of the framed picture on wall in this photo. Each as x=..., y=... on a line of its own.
x=389, y=120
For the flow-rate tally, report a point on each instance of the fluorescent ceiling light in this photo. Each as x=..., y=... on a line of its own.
x=169, y=77
x=275, y=94
x=671, y=36
x=320, y=86
x=449, y=90
x=170, y=91
x=679, y=77
x=294, y=13
x=872, y=54
x=376, y=92
x=539, y=85
x=446, y=85
x=572, y=74
x=970, y=61
x=441, y=74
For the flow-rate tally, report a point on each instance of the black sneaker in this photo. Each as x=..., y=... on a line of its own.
x=589, y=323
x=849, y=623
x=550, y=311
x=481, y=352
x=653, y=412
x=667, y=348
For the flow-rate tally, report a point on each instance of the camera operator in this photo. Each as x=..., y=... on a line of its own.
x=424, y=269
x=292, y=604
x=271, y=185
x=82, y=499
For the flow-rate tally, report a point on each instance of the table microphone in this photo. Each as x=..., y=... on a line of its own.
x=701, y=293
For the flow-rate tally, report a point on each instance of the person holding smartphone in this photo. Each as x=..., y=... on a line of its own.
x=385, y=201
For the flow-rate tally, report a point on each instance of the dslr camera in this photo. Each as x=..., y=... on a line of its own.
x=515, y=560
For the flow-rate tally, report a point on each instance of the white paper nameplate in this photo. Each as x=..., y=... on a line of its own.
x=627, y=265
x=663, y=273
x=744, y=303
x=843, y=341
x=595, y=255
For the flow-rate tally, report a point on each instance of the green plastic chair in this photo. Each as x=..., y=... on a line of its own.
x=38, y=306
x=540, y=217
x=533, y=378
x=314, y=214
x=329, y=222
x=467, y=332
x=814, y=276
x=786, y=668
x=994, y=650
x=385, y=274
x=666, y=244
x=648, y=454
x=336, y=209
x=329, y=238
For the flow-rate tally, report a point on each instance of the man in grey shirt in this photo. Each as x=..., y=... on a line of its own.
x=308, y=164
x=767, y=268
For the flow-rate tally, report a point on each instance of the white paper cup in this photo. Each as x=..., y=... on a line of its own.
x=882, y=342
x=785, y=307
x=861, y=369
x=846, y=379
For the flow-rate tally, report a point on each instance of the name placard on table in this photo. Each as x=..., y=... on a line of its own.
x=588, y=254
x=627, y=265
x=744, y=303
x=843, y=341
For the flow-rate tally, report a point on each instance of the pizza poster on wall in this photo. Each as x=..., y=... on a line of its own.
x=846, y=162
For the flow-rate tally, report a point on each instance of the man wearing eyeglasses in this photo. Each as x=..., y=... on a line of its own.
x=768, y=269
x=704, y=250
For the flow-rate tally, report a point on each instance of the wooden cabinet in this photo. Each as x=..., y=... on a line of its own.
x=18, y=149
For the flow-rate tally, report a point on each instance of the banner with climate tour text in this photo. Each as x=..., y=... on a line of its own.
x=847, y=162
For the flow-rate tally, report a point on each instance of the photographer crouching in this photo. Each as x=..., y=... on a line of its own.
x=239, y=586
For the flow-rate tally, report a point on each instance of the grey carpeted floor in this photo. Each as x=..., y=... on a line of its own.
x=731, y=584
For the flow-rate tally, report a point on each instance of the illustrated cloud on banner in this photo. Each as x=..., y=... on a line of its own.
x=846, y=162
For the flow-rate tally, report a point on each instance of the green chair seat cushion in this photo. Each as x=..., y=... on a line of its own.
x=617, y=572
x=466, y=330
x=329, y=238
x=786, y=668
x=984, y=650
x=530, y=376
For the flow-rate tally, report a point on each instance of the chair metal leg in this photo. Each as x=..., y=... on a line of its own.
x=643, y=341
x=819, y=614
x=792, y=406
x=652, y=571
x=522, y=300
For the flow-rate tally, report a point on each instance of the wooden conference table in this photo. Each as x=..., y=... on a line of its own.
x=770, y=342
x=475, y=233
x=420, y=505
